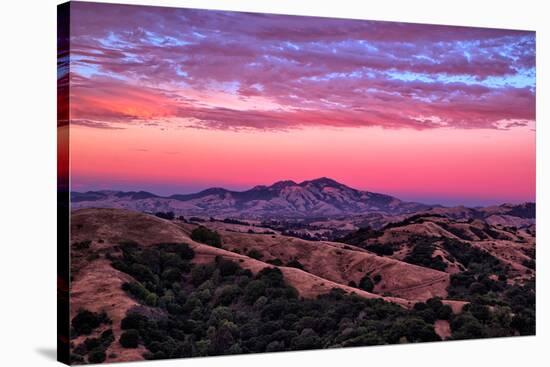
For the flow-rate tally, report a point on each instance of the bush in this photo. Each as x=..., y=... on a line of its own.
x=208, y=237
x=166, y=215
x=227, y=267
x=422, y=253
x=129, y=339
x=276, y=262
x=295, y=264
x=228, y=294
x=201, y=273
x=361, y=235
x=366, y=284
x=467, y=327
x=254, y=290
x=137, y=290
x=97, y=356
x=308, y=339
x=86, y=321
x=380, y=250
x=132, y=321
x=151, y=299
x=181, y=249
x=255, y=254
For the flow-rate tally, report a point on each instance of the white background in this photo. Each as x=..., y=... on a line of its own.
x=28, y=182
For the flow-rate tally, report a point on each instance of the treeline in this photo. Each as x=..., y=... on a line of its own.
x=221, y=308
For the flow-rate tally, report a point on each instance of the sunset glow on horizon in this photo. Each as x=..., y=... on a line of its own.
x=178, y=100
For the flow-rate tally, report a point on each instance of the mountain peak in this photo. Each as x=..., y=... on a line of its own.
x=283, y=184
x=323, y=181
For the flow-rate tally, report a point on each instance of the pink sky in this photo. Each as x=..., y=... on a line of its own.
x=174, y=101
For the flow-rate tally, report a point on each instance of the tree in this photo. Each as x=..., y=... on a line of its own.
x=227, y=267
x=86, y=321
x=308, y=339
x=255, y=254
x=166, y=215
x=132, y=321
x=208, y=237
x=294, y=263
x=97, y=356
x=366, y=284
x=129, y=338
x=254, y=290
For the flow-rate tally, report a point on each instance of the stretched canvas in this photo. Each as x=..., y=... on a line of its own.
x=235, y=183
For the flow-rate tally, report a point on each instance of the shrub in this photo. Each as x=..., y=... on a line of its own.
x=366, y=284
x=151, y=299
x=276, y=262
x=132, y=321
x=227, y=267
x=466, y=326
x=360, y=236
x=228, y=294
x=380, y=250
x=254, y=290
x=200, y=274
x=129, y=338
x=97, y=356
x=182, y=250
x=166, y=215
x=208, y=237
x=422, y=253
x=137, y=290
x=86, y=321
x=255, y=254
x=294, y=263
x=308, y=339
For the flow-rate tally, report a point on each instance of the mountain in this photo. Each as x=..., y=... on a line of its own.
x=525, y=211
x=322, y=197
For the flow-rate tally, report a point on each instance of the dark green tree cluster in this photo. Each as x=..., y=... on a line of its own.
x=166, y=215
x=360, y=236
x=422, y=254
x=87, y=321
x=380, y=249
x=221, y=308
x=294, y=263
x=366, y=283
x=433, y=309
x=92, y=350
x=155, y=268
x=207, y=236
x=496, y=307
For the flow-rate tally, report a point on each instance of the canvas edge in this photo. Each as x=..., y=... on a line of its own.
x=63, y=173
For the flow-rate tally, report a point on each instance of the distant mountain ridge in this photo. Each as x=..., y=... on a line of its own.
x=322, y=197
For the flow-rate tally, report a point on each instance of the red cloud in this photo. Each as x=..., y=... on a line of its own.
x=132, y=63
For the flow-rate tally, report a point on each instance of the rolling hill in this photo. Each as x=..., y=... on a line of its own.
x=439, y=275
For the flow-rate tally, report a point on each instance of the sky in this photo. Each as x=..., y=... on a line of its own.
x=178, y=100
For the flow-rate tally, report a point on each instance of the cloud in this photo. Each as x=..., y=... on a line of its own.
x=95, y=124
x=228, y=70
